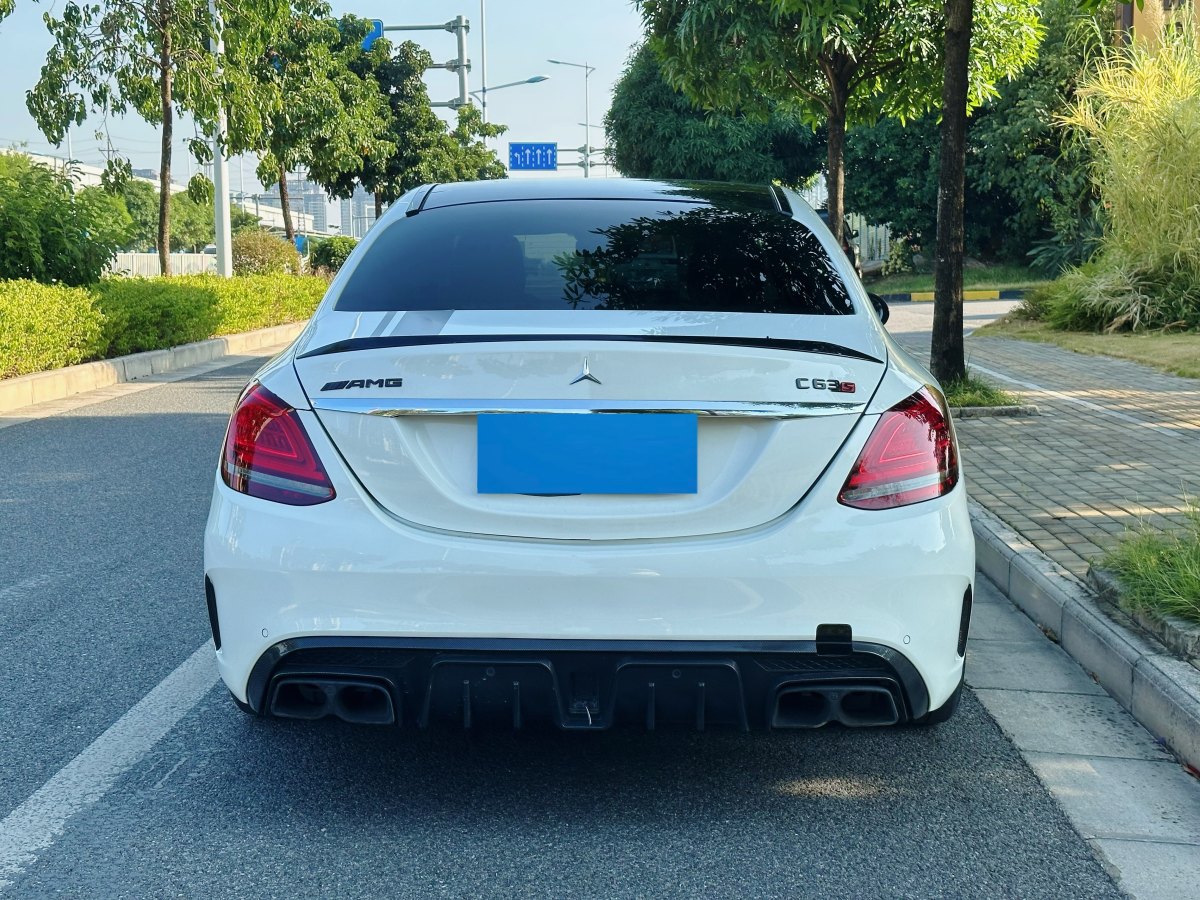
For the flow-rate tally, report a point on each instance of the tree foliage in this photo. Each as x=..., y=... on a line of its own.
x=1138, y=107
x=654, y=131
x=52, y=232
x=329, y=118
x=257, y=252
x=331, y=253
x=192, y=223
x=837, y=62
x=152, y=58
x=1027, y=184
x=424, y=150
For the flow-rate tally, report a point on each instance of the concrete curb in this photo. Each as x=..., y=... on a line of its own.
x=927, y=296
x=1160, y=691
x=982, y=412
x=42, y=387
x=1181, y=636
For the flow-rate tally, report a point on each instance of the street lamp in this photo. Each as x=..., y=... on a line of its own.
x=587, y=112
x=483, y=92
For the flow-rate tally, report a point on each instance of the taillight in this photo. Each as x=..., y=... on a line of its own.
x=269, y=455
x=909, y=457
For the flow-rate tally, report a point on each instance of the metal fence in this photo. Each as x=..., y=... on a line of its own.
x=874, y=241
x=145, y=265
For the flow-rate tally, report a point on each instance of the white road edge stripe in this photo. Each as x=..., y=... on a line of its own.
x=35, y=825
x=1086, y=404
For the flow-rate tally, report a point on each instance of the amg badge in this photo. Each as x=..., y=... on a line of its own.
x=363, y=383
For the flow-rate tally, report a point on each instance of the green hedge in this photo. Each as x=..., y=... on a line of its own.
x=46, y=327
x=49, y=326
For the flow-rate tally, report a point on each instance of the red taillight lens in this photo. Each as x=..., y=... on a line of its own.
x=269, y=455
x=909, y=457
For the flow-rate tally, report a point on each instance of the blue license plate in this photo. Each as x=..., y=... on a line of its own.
x=587, y=453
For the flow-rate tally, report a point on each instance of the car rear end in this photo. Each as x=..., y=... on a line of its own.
x=643, y=456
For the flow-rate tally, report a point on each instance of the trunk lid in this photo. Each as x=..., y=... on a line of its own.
x=402, y=409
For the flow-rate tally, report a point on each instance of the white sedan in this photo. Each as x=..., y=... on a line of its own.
x=591, y=454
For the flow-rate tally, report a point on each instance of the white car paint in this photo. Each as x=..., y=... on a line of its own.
x=763, y=552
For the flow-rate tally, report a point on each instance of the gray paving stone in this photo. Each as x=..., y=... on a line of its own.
x=1075, y=724
x=1002, y=622
x=1153, y=871
x=1127, y=799
x=1025, y=666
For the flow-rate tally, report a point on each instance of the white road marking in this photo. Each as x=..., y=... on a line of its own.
x=34, y=826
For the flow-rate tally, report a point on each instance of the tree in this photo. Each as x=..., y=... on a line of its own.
x=415, y=132
x=1017, y=151
x=192, y=223
x=947, y=360
x=423, y=150
x=151, y=57
x=833, y=63
x=467, y=156
x=141, y=200
x=330, y=118
x=1027, y=183
x=51, y=232
x=654, y=131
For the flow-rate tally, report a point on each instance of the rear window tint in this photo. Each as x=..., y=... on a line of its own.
x=597, y=254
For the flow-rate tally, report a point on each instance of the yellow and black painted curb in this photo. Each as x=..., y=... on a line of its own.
x=927, y=296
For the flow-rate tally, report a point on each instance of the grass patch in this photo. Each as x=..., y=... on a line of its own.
x=992, y=278
x=1159, y=571
x=975, y=391
x=1177, y=353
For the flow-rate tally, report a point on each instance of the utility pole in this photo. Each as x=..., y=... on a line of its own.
x=220, y=164
x=587, y=111
x=483, y=57
x=459, y=26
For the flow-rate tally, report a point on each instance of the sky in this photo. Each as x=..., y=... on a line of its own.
x=521, y=36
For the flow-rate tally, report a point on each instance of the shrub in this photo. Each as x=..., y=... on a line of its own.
x=257, y=252
x=51, y=232
x=331, y=253
x=152, y=313
x=46, y=326
x=1113, y=295
x=1139, y=108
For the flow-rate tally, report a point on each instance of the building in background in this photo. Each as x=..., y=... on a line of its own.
x=358, y=213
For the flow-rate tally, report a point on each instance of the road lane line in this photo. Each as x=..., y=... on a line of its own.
x=35, y=825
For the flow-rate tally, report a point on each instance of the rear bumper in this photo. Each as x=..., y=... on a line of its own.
x=587, y=684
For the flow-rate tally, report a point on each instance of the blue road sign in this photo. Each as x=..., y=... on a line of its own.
x=533, y=157
x=374, y=34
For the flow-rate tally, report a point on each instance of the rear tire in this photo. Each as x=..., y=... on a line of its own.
x=946, y=710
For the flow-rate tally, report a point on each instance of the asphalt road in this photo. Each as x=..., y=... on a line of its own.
x=101, y=515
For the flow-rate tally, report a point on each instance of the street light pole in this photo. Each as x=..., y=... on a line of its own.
x=483, y=57
x=223, y=239
x=587, y=111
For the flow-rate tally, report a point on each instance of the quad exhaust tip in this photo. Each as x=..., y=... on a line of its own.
x=811, y=706
x=360, y=702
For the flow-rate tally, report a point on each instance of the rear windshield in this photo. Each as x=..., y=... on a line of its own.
x=597, y=254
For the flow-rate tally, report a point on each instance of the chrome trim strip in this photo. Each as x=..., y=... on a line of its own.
x=442, y=407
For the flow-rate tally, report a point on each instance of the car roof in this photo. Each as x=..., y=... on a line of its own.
x=713, y=193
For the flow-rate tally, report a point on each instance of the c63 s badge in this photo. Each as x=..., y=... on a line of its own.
x=825, y=384
x=363, y=383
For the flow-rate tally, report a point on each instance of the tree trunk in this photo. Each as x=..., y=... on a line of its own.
x=164, y=163
x=946, y=355
x=289, y=230
x=835, y=179
x=378, y=206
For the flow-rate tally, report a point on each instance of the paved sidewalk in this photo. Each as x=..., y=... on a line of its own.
x=1117, y=444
